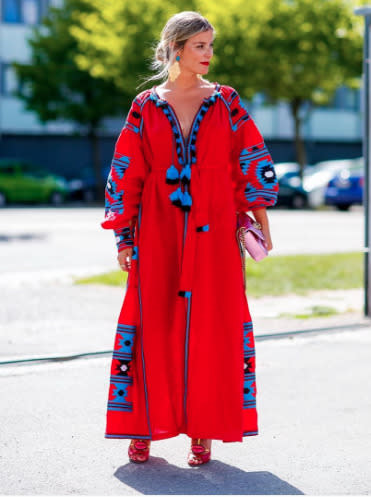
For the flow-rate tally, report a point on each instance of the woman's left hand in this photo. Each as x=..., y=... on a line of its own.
x=261, y=217
x=268, y=241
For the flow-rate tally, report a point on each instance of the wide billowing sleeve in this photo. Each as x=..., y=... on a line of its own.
x=253, y=174
x=126, y=180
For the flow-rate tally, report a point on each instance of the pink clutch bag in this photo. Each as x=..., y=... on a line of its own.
x=250, y=236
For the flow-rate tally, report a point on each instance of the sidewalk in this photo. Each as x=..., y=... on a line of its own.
x=53, y=316
x=314, y=432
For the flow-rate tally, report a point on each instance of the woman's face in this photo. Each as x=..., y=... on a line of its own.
x=197, y=52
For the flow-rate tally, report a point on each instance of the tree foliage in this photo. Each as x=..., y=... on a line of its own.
x=55, y=87
x=298, y=51
x=117, y=39
x=90, y=56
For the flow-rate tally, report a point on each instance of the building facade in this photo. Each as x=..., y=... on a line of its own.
x=330, y=132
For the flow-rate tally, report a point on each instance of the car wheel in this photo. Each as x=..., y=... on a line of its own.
x=2, y=199
x=56, y=198
x=343, y=207
x=298, y=202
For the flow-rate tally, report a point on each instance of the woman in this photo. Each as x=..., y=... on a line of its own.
x=188, y=159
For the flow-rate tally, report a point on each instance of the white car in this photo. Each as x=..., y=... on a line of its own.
x=315, y=180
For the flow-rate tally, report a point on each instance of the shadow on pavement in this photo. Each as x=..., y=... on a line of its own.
x=157, y=476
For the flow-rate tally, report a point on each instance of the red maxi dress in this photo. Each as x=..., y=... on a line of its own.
x=184, y=353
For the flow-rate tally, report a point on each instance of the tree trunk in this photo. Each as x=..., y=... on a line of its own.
x=301, y=155
x=95, y=152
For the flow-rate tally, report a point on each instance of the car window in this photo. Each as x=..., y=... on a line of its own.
x=32, y=170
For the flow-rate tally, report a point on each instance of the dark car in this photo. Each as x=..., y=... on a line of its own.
x=24, y=181
x=291, y=192
x=346, y=188
x=83, y=188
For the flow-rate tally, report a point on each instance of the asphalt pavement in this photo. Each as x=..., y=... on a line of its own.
x=314, y=402
x=313, y=406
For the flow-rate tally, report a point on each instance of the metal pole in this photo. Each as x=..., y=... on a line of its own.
x=366, y=12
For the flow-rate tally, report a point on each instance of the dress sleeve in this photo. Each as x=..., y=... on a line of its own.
x=126, y=180
x=253, y=174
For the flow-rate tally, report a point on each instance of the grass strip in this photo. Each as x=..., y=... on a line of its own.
x=280, y=275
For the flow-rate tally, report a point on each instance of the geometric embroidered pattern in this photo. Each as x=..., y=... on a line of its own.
x=257, y=158
x=120, y=163
x=256, y=180
x=249, y=384
x=185, y=148
x=124, y=238
x=113, y=197
x=121, y=378
x=249, y=154
x=238, y=113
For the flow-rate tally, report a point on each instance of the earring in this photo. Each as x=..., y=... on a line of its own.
x=199, y=76
x=174, y=69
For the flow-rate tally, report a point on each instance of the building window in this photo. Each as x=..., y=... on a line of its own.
x=11, y=11
x=30, y=11
x=345, y=99
x=21, y=11
x=9, y=80
x=56, y=3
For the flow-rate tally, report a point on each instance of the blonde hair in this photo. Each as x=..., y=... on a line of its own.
x=177, y=30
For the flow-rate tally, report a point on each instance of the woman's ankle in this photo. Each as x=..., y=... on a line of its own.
x=206, y=442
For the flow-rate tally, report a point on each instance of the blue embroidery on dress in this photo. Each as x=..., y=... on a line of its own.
x=249, y=393
x=135, y=253
x=266, y=174
x=119, y=401
x=124, y=238
x=121, y=378
x=120, y=163
x=252, y=194
x=186, y=152
x=250, y=154
x=249, y=388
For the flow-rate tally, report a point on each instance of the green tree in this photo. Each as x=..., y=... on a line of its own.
x=56, y=88
x=298, y=51
x=116, y=39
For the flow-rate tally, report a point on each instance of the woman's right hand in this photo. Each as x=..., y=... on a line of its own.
x=124, y=258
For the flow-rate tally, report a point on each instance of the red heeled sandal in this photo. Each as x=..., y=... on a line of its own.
x=199, y=454
x=138, y=450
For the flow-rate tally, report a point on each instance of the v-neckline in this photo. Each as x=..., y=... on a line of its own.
x=185, y=140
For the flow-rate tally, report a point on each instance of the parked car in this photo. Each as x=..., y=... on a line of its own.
x=83, y=187
x=311, y=191
x=291, y=192
x=23, y=181
x=316, y=179
x=281, y=168
x=346, y=188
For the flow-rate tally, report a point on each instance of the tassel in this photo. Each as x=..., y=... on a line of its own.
x=176, y=197
x=185, y=175
x=205, y=227
x=172, y=175
x=186, y=201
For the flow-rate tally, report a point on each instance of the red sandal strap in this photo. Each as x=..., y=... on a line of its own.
x=140, y=445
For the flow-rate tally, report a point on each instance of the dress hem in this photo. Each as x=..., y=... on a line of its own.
x=175, y=434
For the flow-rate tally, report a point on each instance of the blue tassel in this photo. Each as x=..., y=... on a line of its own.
x=172, y=175
x=176, y=197
x=186, y=201
x=205, y=227
x=185, y=175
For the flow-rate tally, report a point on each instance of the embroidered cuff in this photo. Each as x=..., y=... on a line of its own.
x=124, y=238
